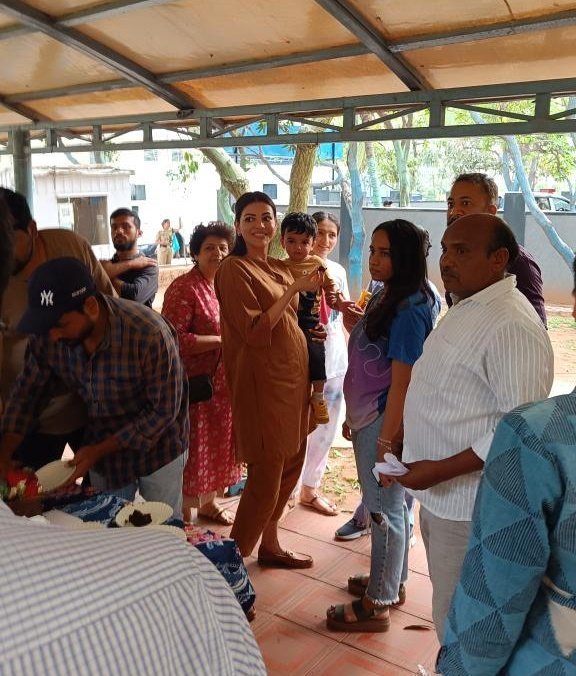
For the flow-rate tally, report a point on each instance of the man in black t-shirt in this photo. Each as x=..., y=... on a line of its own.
x=134, y=276
x=476, y=193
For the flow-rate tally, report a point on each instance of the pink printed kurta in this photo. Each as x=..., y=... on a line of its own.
x=190, y=304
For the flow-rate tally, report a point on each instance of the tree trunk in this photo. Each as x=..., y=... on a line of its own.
x=543, y=221
x=224, y=210
x=357, y=244
x=301, y=176
x=232, y=177
x=372, y=170
x=533, y=173
x=401, y=152
x=510, y=184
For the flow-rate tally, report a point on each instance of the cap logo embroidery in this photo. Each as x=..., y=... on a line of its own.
x=46, y=298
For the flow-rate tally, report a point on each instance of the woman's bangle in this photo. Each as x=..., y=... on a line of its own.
x=384, y=443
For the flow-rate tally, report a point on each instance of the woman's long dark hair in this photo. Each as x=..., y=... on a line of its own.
x=409, y=275
x=242, y=202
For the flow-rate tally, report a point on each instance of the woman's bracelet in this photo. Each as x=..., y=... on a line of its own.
x=384, y=443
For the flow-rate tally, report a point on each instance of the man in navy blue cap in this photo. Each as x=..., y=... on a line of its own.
x=62, y=415
x=122, y=359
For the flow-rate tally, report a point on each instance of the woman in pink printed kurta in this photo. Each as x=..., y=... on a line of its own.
x=190, y=304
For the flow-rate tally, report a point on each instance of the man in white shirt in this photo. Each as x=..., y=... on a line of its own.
x=488, y=355
x=88, y=602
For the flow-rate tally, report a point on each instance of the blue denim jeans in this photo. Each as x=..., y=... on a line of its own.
x=389, y=516
x=163, y=485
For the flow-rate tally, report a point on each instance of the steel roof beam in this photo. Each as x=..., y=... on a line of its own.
x=265, y=64
x=195, y=74
x=23, y=110
x=81, y=16
x=72, y=38
x=347, y=15
x=438, y=97
x=499, y=30
x=345, y=135
x=106, y=10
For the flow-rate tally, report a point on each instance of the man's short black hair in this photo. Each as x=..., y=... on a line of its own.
x=123, y=211
x=503, y=238
x=299, y=223
x=487, y=184
x=18, y=207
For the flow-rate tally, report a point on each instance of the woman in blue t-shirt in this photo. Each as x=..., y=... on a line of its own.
x=382, y=349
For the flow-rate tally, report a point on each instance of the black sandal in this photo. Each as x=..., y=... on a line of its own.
x=369, y=621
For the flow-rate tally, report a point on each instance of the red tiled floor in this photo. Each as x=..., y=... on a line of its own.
x=276, y=588
x=309, y=608
x=291, y=608
x=349, y=564
x=398, y=646
x=347, y=661
x=288, y=648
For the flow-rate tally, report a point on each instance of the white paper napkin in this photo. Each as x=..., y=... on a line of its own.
x=391, y=467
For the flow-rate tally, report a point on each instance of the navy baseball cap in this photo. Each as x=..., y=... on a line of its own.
x=58, y=286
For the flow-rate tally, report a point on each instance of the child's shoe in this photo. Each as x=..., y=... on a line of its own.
x=320, y=410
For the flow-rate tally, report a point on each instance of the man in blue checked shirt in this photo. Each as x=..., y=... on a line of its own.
x=122, y=359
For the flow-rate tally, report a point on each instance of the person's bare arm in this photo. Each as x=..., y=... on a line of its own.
x=117, y=268
x=427, y=473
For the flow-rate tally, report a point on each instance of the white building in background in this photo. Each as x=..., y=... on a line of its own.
x=81, y=197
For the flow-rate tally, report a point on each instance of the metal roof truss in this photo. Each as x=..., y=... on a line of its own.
x=326, y=121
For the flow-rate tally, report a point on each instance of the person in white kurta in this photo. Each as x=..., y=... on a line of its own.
x=321, y=439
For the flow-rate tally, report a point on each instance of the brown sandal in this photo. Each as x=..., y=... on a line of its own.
x=369, y=621
x=320, y=504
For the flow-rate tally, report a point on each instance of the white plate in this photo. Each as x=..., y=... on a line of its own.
x=177, y=532
x=58, y=518
x=159, y=511
x=54, y=474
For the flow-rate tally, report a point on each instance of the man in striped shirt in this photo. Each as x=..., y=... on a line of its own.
x=122, y=359
x=489, y=354
x=129, y=601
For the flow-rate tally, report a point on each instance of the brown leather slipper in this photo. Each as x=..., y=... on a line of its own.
x=286, y=559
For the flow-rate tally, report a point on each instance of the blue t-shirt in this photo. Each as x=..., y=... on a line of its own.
x=369, y=373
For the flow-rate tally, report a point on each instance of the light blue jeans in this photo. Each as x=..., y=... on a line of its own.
x=389, y=516
x=163, y=485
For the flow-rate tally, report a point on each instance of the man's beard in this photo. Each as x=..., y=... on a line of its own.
x=123, y=246
x=74, y=342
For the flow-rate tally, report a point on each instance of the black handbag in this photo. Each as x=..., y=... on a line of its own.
x=201, y=388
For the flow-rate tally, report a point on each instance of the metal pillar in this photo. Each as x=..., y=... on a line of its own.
x=515, y=214
x=345, y=239
x=22, y=157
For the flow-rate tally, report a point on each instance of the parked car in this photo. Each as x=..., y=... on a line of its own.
x=546, y=201
x=148, y=250
x=549, y=202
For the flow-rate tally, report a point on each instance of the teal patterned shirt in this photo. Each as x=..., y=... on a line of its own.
x=514, y=610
